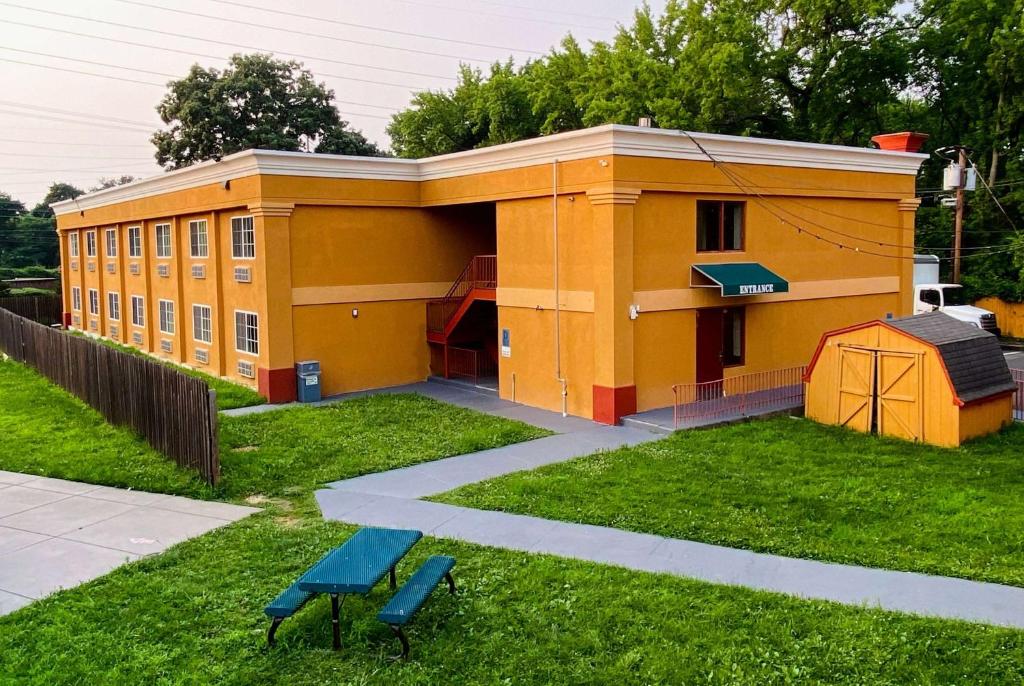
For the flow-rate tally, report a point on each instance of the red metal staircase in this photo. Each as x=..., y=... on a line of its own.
x=463, y=355
x=478, y=281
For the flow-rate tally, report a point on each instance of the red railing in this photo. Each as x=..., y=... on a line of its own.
x=1018, y=396
x=481, y=272
x=739, y=395
x=468, y=363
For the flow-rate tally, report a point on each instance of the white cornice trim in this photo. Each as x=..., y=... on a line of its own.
x=608, y=140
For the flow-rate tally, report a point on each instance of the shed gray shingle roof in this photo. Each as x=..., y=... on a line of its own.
x=973, y=358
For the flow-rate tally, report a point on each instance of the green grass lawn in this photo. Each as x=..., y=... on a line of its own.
x=194, y=616
x=46, y=431
x=294, y=450
x=796, y=488
x=230, y=395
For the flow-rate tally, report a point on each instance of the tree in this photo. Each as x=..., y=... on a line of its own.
x=440, y=122
x=256, y=102
x=59, y=191
x=11, y=211
x=112, y=181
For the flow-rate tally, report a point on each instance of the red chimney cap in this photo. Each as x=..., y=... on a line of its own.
x=905, y=141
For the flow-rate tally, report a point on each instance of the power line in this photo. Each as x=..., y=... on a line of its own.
x=721, y=166
x=74, y=113
x=5, y=153
x=74, y=143
x=192, y=53
x=174, y=76
x=85, y=73
x=308, y=34
x=484, y=13
x=529, y=8
x=371, y=28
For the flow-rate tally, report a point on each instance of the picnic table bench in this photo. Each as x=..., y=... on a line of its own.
x=355, y=567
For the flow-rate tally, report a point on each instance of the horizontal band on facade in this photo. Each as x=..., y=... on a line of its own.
x=374, y=292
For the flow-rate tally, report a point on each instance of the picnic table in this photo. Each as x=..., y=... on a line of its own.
x=355, y=567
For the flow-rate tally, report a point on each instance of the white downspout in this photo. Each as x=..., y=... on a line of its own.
x=558, y=308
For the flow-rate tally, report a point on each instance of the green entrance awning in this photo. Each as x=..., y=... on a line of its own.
x=738, y=278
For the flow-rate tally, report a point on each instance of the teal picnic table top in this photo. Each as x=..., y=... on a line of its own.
x=358, y=564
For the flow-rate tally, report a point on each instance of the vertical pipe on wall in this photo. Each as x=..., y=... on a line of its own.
x=558, y=308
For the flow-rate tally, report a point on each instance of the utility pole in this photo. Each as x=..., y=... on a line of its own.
x=959, y=227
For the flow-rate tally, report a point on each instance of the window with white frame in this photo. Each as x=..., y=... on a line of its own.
x=73, y=244
x=163, y=240
x=90, y=243
x=76, y=298
x=134, y=241
x=166, y=316
x=111, y=240
x=198, y=238
x=202, y=323
x=247, y=332
x=114, y=306
x=138, y=310
x=243, y=238
x=94, y=301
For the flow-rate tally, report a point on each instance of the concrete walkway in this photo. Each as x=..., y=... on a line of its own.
x=56, y=534
x=392, y=499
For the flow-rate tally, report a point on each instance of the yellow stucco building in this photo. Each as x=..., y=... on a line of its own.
x=588, y=271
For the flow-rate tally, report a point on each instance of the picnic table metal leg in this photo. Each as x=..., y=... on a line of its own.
x=451, y=582
x=404, y=655
x=273, y=630
x=336, y=620
x=392, y=579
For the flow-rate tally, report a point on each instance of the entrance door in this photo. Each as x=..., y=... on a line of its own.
x=709, y=345
x=899, y=395
x=856, y=389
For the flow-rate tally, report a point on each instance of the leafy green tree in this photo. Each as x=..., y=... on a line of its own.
x=58, y=192
x=256, y=102
x=440, y=122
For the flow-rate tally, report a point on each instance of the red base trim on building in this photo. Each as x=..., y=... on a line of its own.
x=612, y=404
x=67, y=320
x=277, y=385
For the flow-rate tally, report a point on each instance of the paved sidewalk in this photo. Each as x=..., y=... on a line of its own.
x=391, y=499
x=57, y=534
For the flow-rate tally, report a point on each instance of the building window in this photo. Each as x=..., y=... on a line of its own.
x=73, y=245
x=94, y=301
x=247, y=332
x=166, y=317
x=734, y=336
x=111, y=240
x=202, y=323
x=114, y=306
x=134, y=241
x=198, y=238
x=163, y=240
x=719, y=225
x=243, y=238
x=90, y=244
x=138, y=310
x=76, y=298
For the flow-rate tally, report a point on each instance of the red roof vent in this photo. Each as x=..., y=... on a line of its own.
x=905, y=141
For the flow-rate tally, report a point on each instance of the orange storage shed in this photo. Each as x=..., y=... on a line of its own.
x=928, y=378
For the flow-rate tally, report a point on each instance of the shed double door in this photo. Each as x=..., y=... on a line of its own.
x=880, y=391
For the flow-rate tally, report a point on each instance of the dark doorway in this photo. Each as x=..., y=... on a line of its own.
x=709, y=344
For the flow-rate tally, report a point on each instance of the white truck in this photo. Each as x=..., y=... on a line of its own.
x=930, y=295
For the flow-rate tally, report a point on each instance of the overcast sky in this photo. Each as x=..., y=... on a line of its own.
x=58, y=123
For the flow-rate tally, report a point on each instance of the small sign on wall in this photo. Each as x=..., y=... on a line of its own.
x=506, y=343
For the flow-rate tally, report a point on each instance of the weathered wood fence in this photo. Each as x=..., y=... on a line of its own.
x=45, y=309
x=175, y=413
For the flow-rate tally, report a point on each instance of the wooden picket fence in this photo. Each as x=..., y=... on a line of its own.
x=45, y=309
x=175, y=413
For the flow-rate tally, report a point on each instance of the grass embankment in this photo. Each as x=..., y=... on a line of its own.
x=800, y=489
